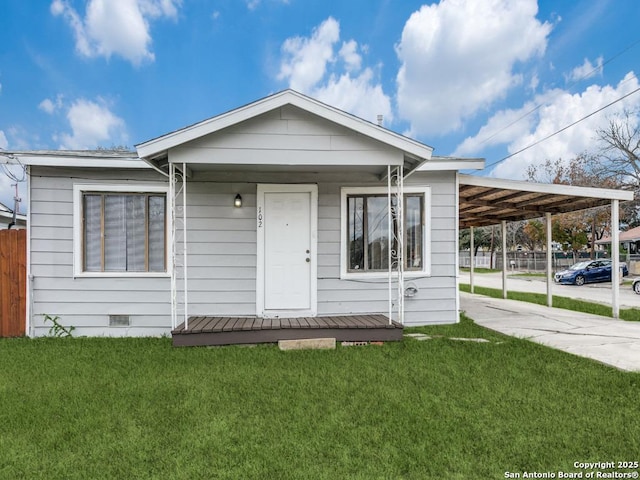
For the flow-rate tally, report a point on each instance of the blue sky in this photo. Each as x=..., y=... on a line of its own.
x=476, y=78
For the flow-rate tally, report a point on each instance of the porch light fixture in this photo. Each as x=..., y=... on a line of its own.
x=238, y=201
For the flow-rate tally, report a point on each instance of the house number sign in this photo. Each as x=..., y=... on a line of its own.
x=260, y=217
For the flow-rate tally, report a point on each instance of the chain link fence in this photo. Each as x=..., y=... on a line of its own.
x=537, y=261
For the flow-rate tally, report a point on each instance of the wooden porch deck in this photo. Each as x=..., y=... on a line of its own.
x=205, y=331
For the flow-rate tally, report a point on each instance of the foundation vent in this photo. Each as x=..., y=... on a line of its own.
x=119, y=320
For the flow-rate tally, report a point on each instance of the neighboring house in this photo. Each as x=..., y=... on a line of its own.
x=281, y=207
x=630, y=239
x=7, y=219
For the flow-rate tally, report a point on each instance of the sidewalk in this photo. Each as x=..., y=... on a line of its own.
x=612, y=342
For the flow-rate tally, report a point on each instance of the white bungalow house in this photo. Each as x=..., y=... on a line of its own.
x=273, y=216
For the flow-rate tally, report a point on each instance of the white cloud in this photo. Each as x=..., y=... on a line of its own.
x=349, y=53
x=458, y=57
x=312, y=66
x=115, y=27
x=92, y=125
x=47, y=106
x=3, y=141
x=547, y=114
x=253, y=4
x=586, y=70
x=356, y=95
x=305, y=59
x=20, y=138
x=50, y=106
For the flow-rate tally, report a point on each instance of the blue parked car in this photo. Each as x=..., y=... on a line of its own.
x=588, y=272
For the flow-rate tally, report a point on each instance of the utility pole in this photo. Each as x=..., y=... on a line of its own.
x=16, y=205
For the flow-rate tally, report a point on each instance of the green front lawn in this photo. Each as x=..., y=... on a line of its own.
x=138, y=408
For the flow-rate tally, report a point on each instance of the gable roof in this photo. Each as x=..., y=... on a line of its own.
x=158, y=147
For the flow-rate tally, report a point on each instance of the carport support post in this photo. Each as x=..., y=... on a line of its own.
x=615, y=258
x=504, y=259
x=471, y=259
x=549, y=261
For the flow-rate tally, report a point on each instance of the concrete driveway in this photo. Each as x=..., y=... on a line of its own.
x=612, y=342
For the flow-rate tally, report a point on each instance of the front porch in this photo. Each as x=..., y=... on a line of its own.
x=210, y=331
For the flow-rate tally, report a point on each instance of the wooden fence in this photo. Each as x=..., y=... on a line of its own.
x=13, y=282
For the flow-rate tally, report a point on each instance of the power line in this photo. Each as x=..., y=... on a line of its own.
x=538, y=106
x=562, y=129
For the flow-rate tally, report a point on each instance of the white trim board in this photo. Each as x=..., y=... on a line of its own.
x=78, y=189
x=551, y=188
x=426, y=240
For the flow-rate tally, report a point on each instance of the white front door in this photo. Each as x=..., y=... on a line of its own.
x=287, y=217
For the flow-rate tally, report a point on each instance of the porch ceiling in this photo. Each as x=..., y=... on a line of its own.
x=487, y=201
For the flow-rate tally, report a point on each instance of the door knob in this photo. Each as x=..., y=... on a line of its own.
x=308, y=251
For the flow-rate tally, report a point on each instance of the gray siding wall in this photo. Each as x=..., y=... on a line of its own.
x=286, y=135
x=85, y=303
x=222, y=254
x=435, y=301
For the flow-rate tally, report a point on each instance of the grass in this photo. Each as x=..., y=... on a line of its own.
x=480, y=270
x=137, y=408
x=630, y=314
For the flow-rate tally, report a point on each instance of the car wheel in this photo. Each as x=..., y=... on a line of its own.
x=636, y=287
x=579, y=280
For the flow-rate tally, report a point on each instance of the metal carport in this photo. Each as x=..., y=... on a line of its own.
x=484, y=201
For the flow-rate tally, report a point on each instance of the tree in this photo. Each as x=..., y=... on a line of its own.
x=585, y=171
x=534, y=235
x=620, y=158
x=569, y=231
x=481, y=238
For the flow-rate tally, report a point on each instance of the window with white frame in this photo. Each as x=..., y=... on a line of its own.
x=120, y=231
x=366, y=231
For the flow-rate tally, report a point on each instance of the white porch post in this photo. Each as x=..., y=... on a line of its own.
x=471, y=259
x=504, y=259
x=549, y=261
x=389, y=258
x=395, y=218
x=172, y=243
x=615, y=258
x=400, y=207
x=184, y=244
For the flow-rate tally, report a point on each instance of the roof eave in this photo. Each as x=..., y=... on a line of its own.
x=437, y=163
x=592, y=192
x=74, y=159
